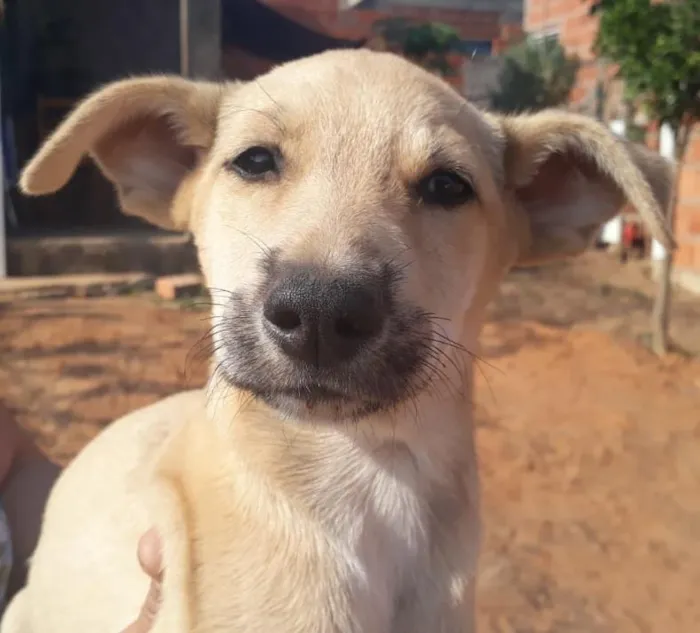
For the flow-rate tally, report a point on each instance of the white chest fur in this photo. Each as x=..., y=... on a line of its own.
x=381, y=531
x=336, y=528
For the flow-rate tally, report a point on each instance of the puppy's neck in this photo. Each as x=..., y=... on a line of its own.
x=361, y=503
x=423, y=442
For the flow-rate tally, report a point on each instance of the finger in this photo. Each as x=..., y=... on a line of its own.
x=151, y=605
x=149, y=610
x=150, y=559
x=150, y=554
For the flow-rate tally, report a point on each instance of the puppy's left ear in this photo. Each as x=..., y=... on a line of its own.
x=147, y=135
x=570, y=175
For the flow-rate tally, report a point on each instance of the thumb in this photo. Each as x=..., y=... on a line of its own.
x=150, y=555
x=150, y=559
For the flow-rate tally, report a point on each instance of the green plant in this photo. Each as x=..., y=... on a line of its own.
x=656, y=46
x=536, y=74
x=427, y=44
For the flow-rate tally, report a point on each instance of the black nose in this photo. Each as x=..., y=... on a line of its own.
x=324, y=320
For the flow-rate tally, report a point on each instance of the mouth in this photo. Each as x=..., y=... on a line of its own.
x=382, y=377
x=315, y=401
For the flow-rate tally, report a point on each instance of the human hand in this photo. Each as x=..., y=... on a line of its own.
x=151, y=561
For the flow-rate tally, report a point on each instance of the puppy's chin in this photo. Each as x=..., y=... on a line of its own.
x=310, y=409
x=303, y=394
x=308, y=402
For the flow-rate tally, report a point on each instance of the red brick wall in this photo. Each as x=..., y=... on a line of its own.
x=688, y=210
x=577, y=30
x=509, y=35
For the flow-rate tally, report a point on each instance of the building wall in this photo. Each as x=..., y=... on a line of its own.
x=483, y=26
x=100, y=41
x=357, y=23
x=510, y=10
x=481, y=79
x=94, y=51
x=688, y=216
x=576, y=30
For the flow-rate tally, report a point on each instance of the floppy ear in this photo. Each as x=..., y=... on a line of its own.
x=570, y=174
x=147, y=136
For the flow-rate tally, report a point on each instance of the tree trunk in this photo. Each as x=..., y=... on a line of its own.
x=660, y=320
x=662, y=307
x=628, y=119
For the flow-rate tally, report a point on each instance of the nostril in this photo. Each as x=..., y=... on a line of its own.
x=283, y=318
x=322, y=320
x=359, y=318
x=355, y=328
x=348, y=328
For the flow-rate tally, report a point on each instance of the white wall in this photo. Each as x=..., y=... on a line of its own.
x=612, y=230
x=667, y=148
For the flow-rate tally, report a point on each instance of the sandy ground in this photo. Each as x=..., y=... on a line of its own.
x=589, y=446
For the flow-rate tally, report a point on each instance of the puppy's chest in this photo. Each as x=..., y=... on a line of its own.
x=341, y=565
x=382, y=535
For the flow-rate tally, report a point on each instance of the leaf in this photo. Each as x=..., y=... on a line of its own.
x=657, y=48
x=536, y=74
x=427, y=43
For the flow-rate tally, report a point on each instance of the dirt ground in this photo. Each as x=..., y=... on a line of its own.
x=589, y=446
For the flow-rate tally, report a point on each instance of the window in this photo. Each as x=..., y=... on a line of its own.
x=475, y=48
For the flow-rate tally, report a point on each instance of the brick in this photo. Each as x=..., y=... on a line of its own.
x=588, y=72
x=652, y=138
x=689, y=187
x=534, y=20
x=687, y=255
x=694, y=249
x=578, y=94
x=692, y=157
x=688, y=219
x=178, y=286
x=684, y=256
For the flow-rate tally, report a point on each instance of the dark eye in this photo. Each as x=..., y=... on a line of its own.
x=256, y=163
x=445, y=188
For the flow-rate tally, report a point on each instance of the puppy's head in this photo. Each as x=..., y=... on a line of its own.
x=353, y=214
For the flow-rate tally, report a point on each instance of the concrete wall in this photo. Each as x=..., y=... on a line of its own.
x=481, y=79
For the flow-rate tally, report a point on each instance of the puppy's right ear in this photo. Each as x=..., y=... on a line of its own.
x=147, y=135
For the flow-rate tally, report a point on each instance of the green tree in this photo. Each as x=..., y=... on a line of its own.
x=536, y=74
x=427, y=44
x=656, y=46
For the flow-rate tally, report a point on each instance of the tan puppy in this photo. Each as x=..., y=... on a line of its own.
x=353, y=216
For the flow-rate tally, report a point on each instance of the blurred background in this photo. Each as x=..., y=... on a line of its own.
x=588, y=393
